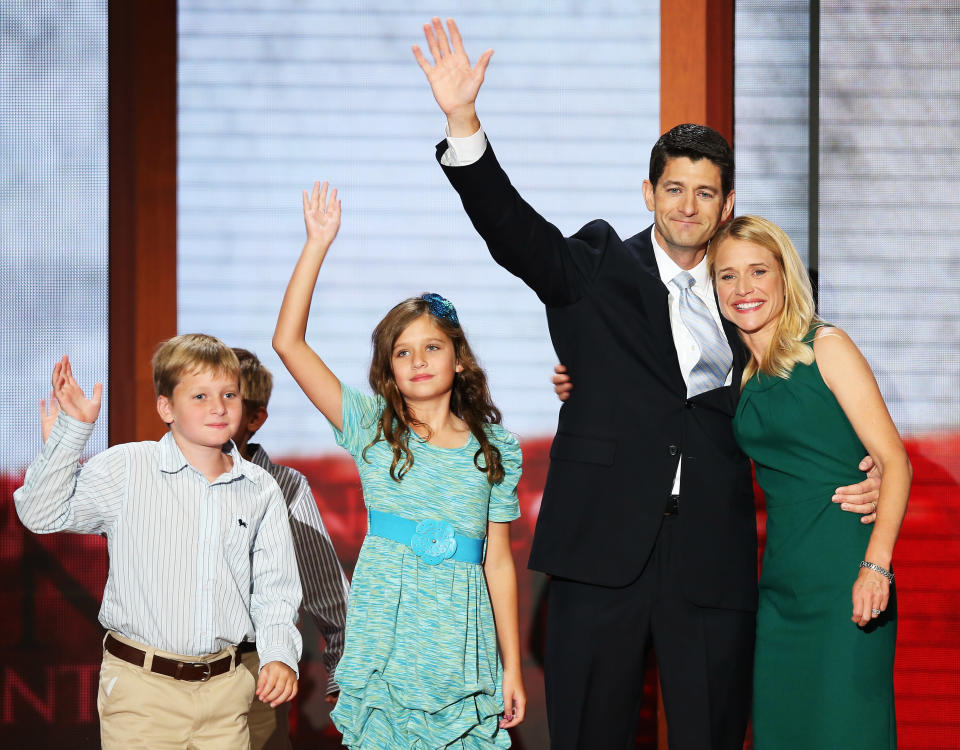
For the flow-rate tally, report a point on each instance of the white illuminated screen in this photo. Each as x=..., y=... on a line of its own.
x=889, y=146
x=888, y=143
x=274, y=97
x=53, y=211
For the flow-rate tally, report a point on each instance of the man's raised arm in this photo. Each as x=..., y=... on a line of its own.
x=519, y=239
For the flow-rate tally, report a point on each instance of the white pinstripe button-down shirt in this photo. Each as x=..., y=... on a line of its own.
x=325, y=587
x=194, y=565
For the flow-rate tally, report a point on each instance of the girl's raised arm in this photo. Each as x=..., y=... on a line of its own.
x=322, y=219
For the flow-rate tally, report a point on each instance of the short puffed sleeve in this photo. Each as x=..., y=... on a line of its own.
x=504, y=505
x=361, y=414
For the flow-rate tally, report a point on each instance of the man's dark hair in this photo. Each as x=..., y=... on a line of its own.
x=695, y=142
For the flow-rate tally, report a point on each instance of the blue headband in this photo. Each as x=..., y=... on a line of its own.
x=441, y=307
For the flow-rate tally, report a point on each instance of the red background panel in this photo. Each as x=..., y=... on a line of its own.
x=52, y=586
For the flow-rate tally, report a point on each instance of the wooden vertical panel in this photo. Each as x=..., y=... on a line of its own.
x=696, y=85
x=696, y=64
x=143, y=206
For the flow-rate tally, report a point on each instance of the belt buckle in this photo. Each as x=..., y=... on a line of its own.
x=207, y=669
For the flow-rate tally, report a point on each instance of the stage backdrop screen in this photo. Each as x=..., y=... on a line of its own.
x=53, y=235
x=275, y=95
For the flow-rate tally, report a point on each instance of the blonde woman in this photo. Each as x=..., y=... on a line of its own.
x=808, y=409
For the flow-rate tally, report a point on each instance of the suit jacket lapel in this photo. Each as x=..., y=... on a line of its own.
x=658, y=314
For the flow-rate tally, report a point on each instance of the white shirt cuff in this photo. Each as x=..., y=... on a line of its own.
x=462, y=152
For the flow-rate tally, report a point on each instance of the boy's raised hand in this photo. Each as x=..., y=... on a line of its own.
x=49, y=410
x=276, y=683
x=70, y=396
x=454, y=82
x=322, y=217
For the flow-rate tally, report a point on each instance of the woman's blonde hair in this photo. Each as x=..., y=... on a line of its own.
x=787, y=345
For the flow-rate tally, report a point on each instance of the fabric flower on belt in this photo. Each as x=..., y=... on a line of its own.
x=433, y=541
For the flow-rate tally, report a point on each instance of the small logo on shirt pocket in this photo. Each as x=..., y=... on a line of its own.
x=237, y=540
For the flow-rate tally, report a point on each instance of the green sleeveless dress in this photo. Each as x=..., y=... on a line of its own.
x=820, y=682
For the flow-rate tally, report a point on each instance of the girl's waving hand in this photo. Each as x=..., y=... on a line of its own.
x=322, y=219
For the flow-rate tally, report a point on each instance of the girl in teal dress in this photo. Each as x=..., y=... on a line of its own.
x=434, y=590
x=826, y=623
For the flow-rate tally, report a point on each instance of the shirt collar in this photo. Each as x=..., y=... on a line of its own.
x=668, y=269
x=172, y=460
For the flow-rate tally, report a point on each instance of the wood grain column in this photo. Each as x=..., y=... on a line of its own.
x=696, y=85
x=143, y=206
x=696, y=64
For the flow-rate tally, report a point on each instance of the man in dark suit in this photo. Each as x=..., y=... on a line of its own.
x=647, y=523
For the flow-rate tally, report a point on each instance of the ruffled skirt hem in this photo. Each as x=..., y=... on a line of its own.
x=379, y=717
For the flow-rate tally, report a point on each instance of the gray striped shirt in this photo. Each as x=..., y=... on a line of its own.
x=325, y=587
x=194, y=565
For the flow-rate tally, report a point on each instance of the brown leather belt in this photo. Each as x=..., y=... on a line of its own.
x=190, y=671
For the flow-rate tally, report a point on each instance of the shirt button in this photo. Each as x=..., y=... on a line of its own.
x=673, y=450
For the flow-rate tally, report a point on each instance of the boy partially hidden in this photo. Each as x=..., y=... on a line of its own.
x=325, y=587
x=201, y=561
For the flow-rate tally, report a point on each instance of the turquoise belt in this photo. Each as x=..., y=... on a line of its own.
x=432, y=540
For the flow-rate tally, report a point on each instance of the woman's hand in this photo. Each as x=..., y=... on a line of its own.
x=514, y=699
x=871, y=594
x=322, y=217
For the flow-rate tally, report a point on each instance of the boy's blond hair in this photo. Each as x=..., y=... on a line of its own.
x=256, y=382
x=187, y=353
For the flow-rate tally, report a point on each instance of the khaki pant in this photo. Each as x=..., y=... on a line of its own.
x=269, y=727
x=140, y=709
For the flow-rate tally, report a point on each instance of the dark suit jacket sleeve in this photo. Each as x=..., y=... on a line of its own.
x=558, y=269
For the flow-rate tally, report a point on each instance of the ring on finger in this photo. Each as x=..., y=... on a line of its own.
x=874, y=505
x=875, y=612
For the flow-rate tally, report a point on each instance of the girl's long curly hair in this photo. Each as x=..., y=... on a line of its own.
x=470, y=399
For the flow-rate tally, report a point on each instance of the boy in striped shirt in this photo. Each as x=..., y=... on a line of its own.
x=201, y=557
